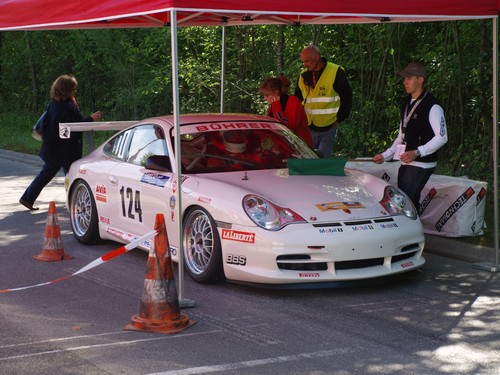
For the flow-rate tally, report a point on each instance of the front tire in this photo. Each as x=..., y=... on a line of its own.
x=83, y=214
x=202, y=248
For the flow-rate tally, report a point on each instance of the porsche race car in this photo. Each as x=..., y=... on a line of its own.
x=250, y=206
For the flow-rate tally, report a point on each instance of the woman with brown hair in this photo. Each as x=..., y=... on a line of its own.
x=287, y=109
x=56, y=152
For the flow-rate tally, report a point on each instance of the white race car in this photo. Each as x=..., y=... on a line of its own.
x=258, y=205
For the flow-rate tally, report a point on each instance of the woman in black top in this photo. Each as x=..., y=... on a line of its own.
x=56, y=152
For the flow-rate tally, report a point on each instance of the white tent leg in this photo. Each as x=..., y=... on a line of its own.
x=490, y=266
x=176, y=112
x=223, y=69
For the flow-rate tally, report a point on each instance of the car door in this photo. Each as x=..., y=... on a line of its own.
x=137, y=193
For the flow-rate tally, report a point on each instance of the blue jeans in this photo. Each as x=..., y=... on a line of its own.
x=412, y=180
x=47, y=173
x=324, y=141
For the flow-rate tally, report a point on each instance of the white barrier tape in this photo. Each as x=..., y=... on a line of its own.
x=108, y=256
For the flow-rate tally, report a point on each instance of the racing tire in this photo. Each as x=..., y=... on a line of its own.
x=83, y=214
x=202, y=247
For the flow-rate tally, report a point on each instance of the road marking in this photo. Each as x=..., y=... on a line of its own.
x=254, y=363
x=86, y=347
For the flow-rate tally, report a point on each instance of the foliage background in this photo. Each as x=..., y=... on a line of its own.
x=126, y=74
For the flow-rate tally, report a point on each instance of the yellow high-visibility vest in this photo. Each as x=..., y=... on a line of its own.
x=322, y=102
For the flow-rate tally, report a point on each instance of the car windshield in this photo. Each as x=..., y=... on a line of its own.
x=245, y=149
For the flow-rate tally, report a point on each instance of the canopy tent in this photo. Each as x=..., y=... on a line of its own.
x=95, y=14
x=56, y=14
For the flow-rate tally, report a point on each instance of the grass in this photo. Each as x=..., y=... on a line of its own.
x=15, y=135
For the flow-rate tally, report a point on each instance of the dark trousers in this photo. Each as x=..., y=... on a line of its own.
x=412, y=180
x=47, y=173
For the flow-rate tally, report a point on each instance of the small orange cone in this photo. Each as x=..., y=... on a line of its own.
x=159, y=309
x=53, y=249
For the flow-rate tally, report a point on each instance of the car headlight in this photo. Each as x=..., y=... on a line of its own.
x=397, y=203
x=268, y=215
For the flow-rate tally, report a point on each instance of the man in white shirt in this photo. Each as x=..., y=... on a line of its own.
x=422, y=132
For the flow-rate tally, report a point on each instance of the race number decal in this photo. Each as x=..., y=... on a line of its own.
x=131, y=203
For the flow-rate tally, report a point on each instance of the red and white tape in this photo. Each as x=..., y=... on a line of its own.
x=106, y=257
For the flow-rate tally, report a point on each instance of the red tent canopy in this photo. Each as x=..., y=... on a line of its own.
x=57, y=14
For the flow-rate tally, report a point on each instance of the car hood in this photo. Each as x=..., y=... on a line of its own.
x=319, y=198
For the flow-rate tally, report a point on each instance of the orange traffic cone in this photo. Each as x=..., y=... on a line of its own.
x=53, y=247
x=159, y=309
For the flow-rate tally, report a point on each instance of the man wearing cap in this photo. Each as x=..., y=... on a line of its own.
x=422, y=132
x=324, y=90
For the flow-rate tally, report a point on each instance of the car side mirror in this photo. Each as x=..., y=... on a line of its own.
x=158, y=163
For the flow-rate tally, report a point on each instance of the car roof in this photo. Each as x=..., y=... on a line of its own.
x=194, y=118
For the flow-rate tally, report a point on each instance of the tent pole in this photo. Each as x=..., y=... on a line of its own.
x=223, y=69
x=176, y=114
x=489, y=266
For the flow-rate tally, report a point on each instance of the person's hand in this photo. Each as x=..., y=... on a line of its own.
x=379, y=159
x=408, y=156
x=96, y=116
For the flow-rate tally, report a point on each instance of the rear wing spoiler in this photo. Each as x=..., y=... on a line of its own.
x=65, y=128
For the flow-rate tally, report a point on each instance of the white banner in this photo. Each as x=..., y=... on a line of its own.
x=450, y=206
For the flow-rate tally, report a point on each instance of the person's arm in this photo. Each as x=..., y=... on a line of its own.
x=438, y=123
x=389, y=153
x=342, y=86
x=291, y=115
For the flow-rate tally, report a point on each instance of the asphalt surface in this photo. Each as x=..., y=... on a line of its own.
x=439, y=320
x=448, y=247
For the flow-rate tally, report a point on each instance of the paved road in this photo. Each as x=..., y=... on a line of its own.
x=443, y=319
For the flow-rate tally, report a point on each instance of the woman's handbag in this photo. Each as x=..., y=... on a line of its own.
x=39, y=127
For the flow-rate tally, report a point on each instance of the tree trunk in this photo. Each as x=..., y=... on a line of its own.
x=34, y=84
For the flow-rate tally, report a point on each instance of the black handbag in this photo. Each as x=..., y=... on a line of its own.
x=39, y=127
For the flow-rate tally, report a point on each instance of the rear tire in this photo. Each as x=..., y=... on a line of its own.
x=83, y=214
x=202, y=248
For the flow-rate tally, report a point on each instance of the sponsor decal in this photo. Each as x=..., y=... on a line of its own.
x=156, y=179
x=172, y=202
x=100, y=193
x=172, y=216
x=428, y=198
x=234, y=235
x=407, y=264
x=115, y=232
x=105, y=220
x=480, y=195
x=461, y=200
x=386, y=177
x=388, y=225
x=233, y=126
x=204, y=200
x=330, y=230
x=313, y=218
x=442, y=127
x=309, y=274
x=357, y=228
x=344, y=206
x=82, y=171
x=174, y=184
x=239, y=260
x=173, y=251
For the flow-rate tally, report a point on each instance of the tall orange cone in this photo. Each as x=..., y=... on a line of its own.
x=53, y=249
x=159, y=309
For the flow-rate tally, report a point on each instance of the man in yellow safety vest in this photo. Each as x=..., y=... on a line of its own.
x=326, y=95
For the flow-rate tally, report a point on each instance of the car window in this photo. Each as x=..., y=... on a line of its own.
x=248, y=149
x=117, y=146
x=135, y=145
x=147, y=140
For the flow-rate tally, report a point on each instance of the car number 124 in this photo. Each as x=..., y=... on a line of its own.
x=131, y=203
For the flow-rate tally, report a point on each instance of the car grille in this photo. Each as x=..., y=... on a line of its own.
x=303, y=262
